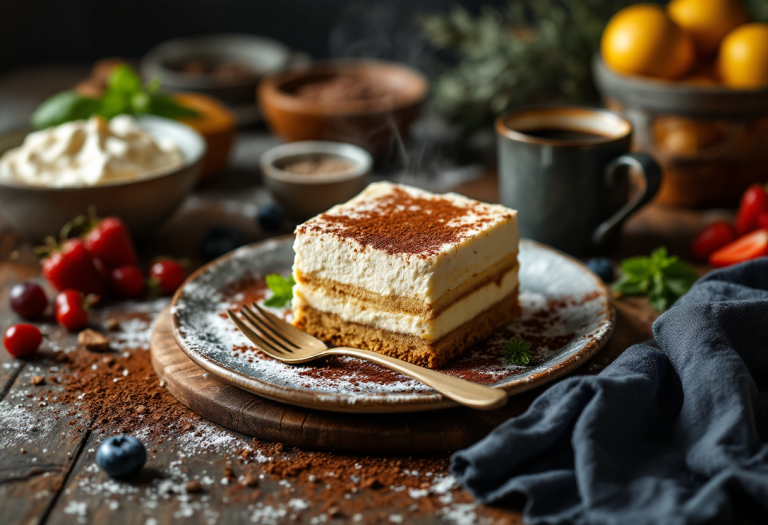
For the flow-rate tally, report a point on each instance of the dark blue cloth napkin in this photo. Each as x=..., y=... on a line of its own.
x=674, y=434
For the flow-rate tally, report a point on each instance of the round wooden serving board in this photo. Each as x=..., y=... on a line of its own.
x=404, y=433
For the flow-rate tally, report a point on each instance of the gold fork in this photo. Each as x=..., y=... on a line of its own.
x=286, y=343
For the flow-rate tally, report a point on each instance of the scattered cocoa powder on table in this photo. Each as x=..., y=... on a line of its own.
x=120, y=393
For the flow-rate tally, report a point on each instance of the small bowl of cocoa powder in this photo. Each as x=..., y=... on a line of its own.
x=309, y=177
x=369, y=103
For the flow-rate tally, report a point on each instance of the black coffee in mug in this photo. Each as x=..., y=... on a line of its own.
x=564, y=169
x=564, y=134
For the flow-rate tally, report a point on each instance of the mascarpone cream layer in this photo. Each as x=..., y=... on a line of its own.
x=353, y=310
x=421, y=277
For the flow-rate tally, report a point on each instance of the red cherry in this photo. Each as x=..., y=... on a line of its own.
x=28, y=300
x=71, y=312
x=166, y=276
x=22, y=339
x=127, y=281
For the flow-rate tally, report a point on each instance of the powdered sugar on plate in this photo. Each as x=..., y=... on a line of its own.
x=567, y=315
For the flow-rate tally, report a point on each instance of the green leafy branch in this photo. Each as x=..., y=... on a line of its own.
x=531, y=51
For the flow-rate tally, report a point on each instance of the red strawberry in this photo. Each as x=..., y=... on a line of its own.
x=711, y=238
x=762, y=220
x=750, y=246
x=754, y=202
x=104, y=272
x=109, y=241
x=71, y=267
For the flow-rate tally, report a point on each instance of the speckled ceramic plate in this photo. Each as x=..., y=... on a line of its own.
x=568, y=316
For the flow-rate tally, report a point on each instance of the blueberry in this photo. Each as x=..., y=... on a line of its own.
x=220, y=240
x=270, y=217
x=602, y=267
x=121, y=456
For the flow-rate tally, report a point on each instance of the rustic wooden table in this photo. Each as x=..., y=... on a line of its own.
x=47, y=449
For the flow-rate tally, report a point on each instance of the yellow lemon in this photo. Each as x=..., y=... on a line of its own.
x=743, y=59
x=643, y=40
x=707, y=21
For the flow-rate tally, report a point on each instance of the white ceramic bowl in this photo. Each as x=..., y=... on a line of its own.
x=35, y=212
x=304, y=196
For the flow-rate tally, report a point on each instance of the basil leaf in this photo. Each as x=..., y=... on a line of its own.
x=164, y=106
x=140, y=103
x=63, y=107
x=124, y=94
x=124, y=80
x=153, y=86
x=114, y=103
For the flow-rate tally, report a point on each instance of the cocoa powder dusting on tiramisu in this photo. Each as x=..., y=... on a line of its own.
x=402, y=223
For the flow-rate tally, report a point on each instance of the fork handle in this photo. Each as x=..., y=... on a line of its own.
x=462, y=391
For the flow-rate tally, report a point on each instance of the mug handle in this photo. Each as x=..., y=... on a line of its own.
x=651, y=174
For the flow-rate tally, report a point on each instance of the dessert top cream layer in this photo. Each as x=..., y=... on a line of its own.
x=397, y=240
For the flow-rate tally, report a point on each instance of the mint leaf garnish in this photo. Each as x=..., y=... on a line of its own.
x=663, y=278
x=282, y=290
x=518, y=351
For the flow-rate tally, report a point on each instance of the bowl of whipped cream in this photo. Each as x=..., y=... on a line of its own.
x=137, y=168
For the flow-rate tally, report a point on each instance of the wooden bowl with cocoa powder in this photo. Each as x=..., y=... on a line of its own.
x=363, y=102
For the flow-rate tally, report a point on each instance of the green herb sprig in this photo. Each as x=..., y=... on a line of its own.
x=525, y=52
x=124, y=94
x=282, y=290
x=530, y=51
x=663, y=278
x=517, y=351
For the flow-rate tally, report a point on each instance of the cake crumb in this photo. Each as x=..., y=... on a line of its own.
x=194, y=487
x=251, y=479
x=92, y=340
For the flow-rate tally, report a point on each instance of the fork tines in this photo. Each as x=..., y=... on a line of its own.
x=262, y=330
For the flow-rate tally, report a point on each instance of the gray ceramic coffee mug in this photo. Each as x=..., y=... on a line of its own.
x=564, y=168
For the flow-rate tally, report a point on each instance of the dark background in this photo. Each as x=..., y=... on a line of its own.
x=81, y=31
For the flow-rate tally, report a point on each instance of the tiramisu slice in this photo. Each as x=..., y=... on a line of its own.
x=407, y=273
